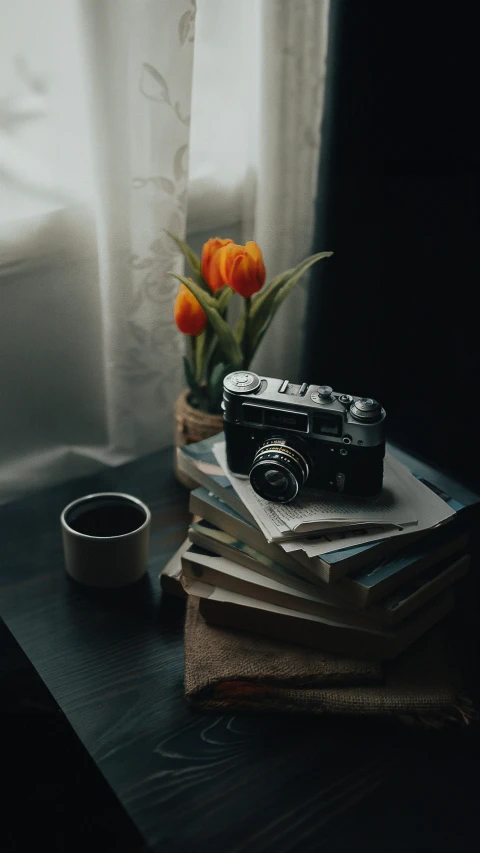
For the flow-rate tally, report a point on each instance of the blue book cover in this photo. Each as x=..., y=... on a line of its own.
x=201, y=454
x=347, y=554
x=435, y=541
x=204, y=468
x=396, y=603
x=217, y=503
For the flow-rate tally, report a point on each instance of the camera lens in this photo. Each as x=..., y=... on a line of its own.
x=279, y=470
x=275, y=479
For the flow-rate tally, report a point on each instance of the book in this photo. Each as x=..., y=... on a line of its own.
x=416, y=592
x=329, y=557
x=229, y=609
x=374, y=582
x=385, y=571
x=170, y=576
x=447, y=564
x=214, y=511
x=333, y=564
x=257, y=581
x=404, y=503
x=314, y=547
x=209, y=537
x=330, y=565
x=198, y=462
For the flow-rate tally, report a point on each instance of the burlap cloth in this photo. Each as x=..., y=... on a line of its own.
x=230, y=670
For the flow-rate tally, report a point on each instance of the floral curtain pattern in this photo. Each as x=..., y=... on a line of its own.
x=86, y=300
x=142, y=114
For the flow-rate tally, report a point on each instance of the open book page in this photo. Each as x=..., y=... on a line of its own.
x=314, y=511
x=335, y=540
x=430, y=508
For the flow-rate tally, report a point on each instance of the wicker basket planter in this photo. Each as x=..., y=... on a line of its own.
x=191, y=425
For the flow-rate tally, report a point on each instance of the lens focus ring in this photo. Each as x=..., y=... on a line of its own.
x=278, y=471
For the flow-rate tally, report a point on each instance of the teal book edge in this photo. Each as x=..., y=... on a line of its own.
x=201, y=454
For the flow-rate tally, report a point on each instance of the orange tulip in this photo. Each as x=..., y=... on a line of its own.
x=241, y=267
x=210, y=270
x=188, y=313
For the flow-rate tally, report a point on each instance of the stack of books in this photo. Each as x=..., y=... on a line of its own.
x=361, y=578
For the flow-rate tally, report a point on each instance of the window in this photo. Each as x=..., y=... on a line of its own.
x=225, y=114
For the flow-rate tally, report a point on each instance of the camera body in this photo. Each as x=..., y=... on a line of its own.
x=283, y=436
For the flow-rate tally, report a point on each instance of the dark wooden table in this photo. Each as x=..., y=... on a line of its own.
x=189, y=781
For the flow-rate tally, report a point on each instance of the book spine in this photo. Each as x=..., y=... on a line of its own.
x=370, y=595
x=317, y=570
x=198, y=571
x=354, y=592
x=328, y=637
x=390, y=617
x=335, y=571
x=287, y=579
x=228, y=496
x=243, y=531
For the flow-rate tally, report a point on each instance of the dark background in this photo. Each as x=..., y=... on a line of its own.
x=393, y=313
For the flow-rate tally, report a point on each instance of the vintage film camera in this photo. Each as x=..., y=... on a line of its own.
x=284, y=436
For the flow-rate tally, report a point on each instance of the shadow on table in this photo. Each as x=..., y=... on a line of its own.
x=54, y=799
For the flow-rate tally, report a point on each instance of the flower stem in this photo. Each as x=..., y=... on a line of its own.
x=246, y=334
x=193, y=355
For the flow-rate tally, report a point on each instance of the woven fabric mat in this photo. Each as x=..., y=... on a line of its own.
x=232, y=670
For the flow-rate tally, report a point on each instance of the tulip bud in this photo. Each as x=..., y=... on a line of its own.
x=241, y=267
x=210, y=270
x=189, y=315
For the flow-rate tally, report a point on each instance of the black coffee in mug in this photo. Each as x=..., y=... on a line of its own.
x=105, y=539
x=105, y=516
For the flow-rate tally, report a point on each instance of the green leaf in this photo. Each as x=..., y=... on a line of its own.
x=196, y=389
x=191, y=257
x=258, y=340
x=199, y=351
x=262, y=304
x=267, y=303
x=214, y=357
x=223, y=297
x=229, y=345
x=239, y=329
x=215, y=385
x=203, y=347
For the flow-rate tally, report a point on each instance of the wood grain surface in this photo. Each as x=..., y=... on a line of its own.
x=113, y=661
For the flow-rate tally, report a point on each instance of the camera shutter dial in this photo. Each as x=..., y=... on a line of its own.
x=241, y=382
x=323, y=394
x=365, y=409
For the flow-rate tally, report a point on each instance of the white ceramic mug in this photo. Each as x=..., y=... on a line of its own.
x=105, y=539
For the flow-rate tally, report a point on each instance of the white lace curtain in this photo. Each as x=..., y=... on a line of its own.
x=95, y=105
x=91, y=358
